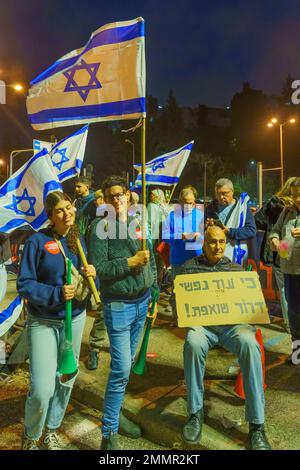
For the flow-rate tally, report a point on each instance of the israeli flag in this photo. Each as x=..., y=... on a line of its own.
x=237, y=250
x=68, y=154
x=166, y=169
x=10, y=315
x=22, y=196
x=103, y=81
x=39, y=145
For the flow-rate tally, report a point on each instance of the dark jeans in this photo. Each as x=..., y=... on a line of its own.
x=97, y=334
x=292, y=293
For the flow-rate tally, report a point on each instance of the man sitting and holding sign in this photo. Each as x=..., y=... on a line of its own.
x=212, y=307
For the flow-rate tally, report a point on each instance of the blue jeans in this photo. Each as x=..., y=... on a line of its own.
x=48, y=397
x=239, y=340
x=124, y=323
x=280, y=284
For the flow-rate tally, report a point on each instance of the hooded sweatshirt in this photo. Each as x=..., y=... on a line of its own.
x=43, y=274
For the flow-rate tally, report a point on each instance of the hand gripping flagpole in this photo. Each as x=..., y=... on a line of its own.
x=89, y=278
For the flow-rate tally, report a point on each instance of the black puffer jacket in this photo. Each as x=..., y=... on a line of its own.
x=265, y=220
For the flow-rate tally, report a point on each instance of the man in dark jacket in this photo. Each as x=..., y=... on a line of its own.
x=238, y=339
x=85, y=209
x=235, y=217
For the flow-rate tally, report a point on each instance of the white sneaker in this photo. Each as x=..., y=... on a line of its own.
x=51, y=440
x=29, y=444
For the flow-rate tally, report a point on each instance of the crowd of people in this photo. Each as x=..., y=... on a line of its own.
x=109, y=223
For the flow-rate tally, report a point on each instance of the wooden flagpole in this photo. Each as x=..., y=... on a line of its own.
x=172, y=192
x=143, y=169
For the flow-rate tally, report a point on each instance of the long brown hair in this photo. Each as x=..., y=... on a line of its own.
x=50, y=203
x=284, y=193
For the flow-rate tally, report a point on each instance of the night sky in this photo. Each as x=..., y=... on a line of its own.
x=204, y=50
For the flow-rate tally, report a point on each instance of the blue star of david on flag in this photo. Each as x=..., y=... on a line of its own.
x=83, y=90
x=62, y=152
x=18, y=200
x=158, y=164
x=238, y=254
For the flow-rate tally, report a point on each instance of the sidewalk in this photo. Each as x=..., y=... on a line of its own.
x=157, y=399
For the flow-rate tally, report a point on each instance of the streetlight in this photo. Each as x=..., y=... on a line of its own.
x=2, y=163
x=273, y=122
x=128, y=141
x=16, y=86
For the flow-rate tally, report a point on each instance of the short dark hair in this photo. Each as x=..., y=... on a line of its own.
x=114, y=180
x=84, y=180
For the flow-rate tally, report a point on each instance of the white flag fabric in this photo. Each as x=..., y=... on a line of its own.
x=103, y=81
x=166, y=169
x=68, y=154
x=10, y=315
x=237, y=250
x=39, y=145
x=22, y=196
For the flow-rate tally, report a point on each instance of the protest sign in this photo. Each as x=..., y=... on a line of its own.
x=220, y=298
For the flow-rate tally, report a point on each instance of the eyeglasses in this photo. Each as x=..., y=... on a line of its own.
x=117, y=196
x=223, y=193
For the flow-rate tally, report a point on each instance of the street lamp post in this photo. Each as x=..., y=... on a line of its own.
x=16, y=86
x=13, y=154
x=128, y=141
x=281, y=124
x=205, y=182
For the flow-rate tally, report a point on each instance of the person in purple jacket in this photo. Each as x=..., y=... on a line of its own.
x=42, y=282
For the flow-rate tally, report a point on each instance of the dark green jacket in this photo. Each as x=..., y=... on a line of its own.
x=109, y=256
x=85, y=212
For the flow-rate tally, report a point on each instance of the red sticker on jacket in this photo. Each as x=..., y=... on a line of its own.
x=52, y=248
x=138, y=233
